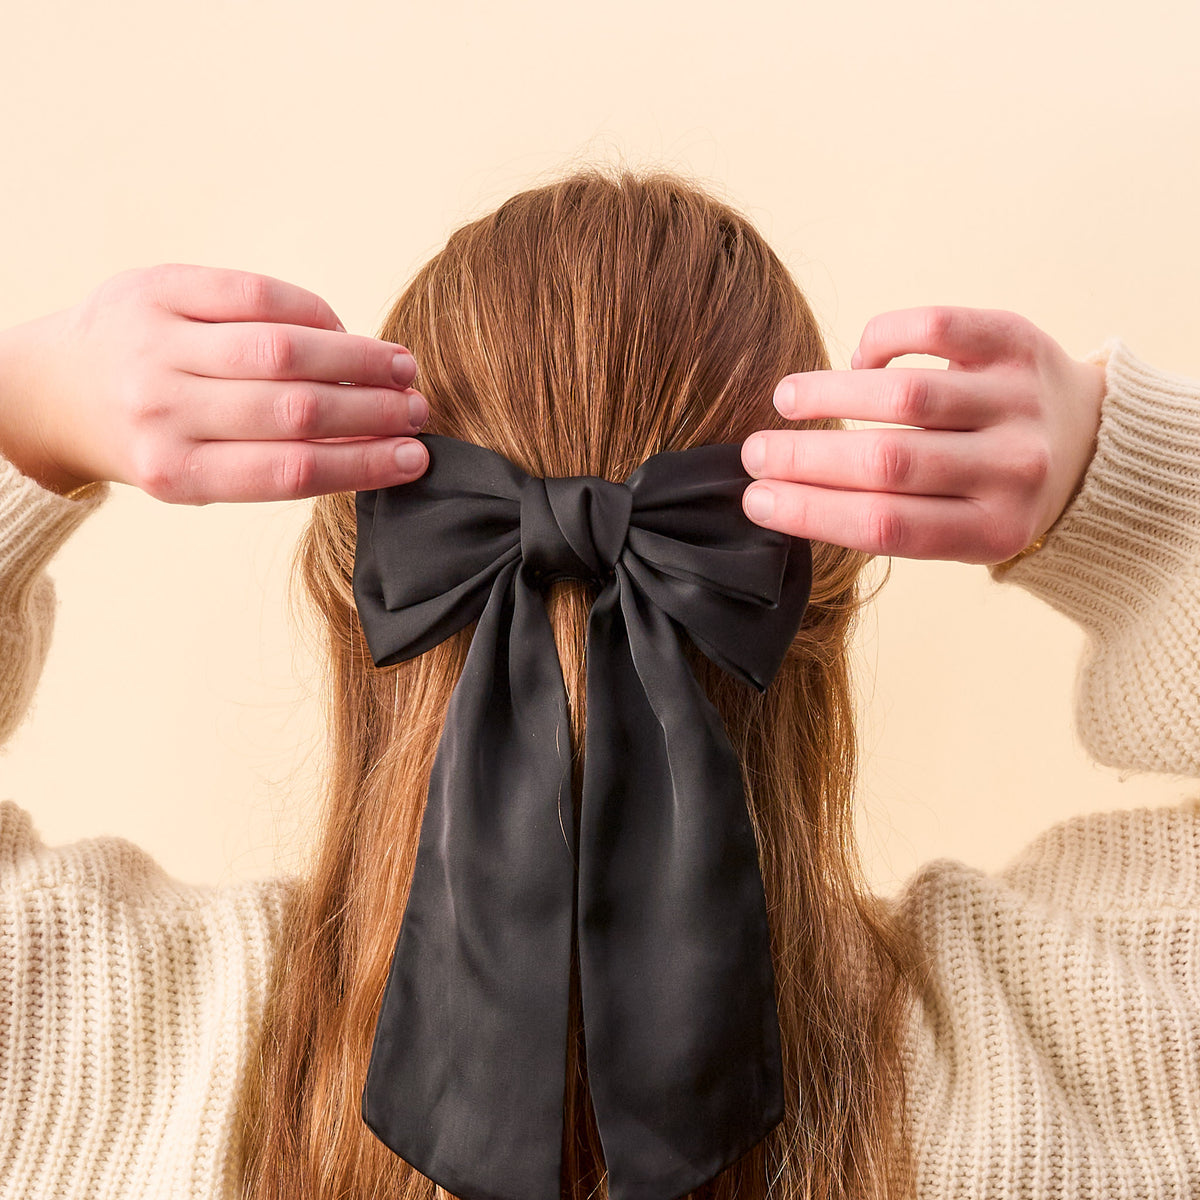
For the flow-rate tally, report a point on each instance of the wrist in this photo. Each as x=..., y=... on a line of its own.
x=21, y=402
x=999, y=569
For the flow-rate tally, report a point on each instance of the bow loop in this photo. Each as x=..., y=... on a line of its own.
x=428, y=553
x=732, y=585
x=573, y=528
x=660, y=885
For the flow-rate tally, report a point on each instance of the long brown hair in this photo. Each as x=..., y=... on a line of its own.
x=580, y=328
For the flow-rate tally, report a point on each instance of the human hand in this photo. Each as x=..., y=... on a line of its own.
x=200, y=384
x=1005, y=436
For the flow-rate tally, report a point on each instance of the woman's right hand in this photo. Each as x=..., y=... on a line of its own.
x=201, y=384
x=1002, y=442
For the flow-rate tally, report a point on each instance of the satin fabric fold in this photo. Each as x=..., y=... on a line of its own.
x=467, y=1072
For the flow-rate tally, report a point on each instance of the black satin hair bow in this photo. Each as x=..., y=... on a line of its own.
x=467, y=1073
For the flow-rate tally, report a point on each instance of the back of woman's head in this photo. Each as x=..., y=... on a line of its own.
x=577, y=330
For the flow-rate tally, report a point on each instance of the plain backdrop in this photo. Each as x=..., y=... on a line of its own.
x=1038, y=157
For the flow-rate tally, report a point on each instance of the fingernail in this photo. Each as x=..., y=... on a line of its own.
x=785, y=397
x=341, y=328
x=760, y=503
x=418, y=409
x=410, y=457
x=404, y=368
x=856, y=359
x=754, y=455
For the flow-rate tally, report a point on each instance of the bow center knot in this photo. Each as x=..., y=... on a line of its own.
x=573, y=527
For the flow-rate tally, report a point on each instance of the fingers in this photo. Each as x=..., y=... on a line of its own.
x=963, y=484
x=218, y=294
x=915, y=462
x=262, y=471
x=957, y=528
x=932, y=399
x=248, y=326
x=965, y=336
x=257, y=410
x=273, y=351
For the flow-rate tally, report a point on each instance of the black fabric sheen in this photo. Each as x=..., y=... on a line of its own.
x=467, y=1072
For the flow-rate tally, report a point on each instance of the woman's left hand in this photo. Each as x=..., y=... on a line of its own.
x=1003, y=440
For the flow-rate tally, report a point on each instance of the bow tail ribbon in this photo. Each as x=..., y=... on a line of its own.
x=468, y=1062
x=675, y=971
x=678, y=998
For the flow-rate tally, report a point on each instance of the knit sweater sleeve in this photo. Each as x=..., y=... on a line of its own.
x=1054, y=1046
x=1123, y=562
x=34, y=523
x=129, y=1001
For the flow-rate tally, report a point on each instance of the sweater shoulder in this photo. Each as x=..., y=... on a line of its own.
x=132, y=1007
x=1102, y=864
x=113, y=869
x=105, y=864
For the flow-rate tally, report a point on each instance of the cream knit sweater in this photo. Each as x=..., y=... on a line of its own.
x=1054, y=1053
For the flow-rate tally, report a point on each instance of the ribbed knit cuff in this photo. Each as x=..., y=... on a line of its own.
x=34, y=523
x=1136, y=518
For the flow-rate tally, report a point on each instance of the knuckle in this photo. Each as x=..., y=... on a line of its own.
x=154, y=281
x=255, y=291
x=792, y=457
x=144, y=402
x=298, y=412
x=910, y=400
x=153, y=471
x=1031, y=466
x=937, y=321
x=296, y=472
x=152, y=276
x=274, y=351
x=1022, y=339
x=131, y=280
x=134, y=285
x=889, y=463
x=885, y=528
x=1017, y=327
x=1012, y=323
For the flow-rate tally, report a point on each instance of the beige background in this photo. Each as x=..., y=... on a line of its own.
x=1038, y=157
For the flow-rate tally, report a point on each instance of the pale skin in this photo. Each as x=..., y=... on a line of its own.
x=1004, y=437
x=200, y=384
